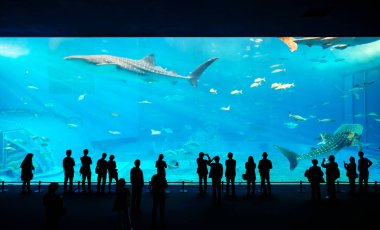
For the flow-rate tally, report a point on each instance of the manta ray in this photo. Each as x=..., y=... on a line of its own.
x=346, y=135
x=145, y=67
x=326, y=42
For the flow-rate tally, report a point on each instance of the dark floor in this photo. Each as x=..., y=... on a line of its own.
x=287, y=208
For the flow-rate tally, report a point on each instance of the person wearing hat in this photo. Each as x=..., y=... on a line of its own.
x=264, y=167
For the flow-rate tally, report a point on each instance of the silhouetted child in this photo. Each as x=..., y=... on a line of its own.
x=27, y=172
x=158, y=187
x=101, y=170
x=332, y=173
x=265, y=166
x=85, y=170
x=137, y=181
x=216, y=174
x=121, y=205
x=315, y=176
x=202, y=171
x=161, y=165
x=250, y=173
x=230, y=174
x=363, y=165
x=68, y=166
x=351, y=173
x=54, y=209
x=112, y=171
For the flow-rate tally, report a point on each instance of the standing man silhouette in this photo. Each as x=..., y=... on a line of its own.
x=363, y=165
x=68, y=166
x=230, y=174
x=158, y=187
x=216, y=174
x=315, y=176
x=85, y=170
x=202, y=171
x=112, y=172
x=265, y=166
x=332, y=173
x=351, y=174
x=137, y=181
x=101, y=170
x=54, y=208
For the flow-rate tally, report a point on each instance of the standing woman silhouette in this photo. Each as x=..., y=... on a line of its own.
x=27, y=172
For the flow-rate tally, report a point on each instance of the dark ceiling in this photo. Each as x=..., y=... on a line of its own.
x=188, y=18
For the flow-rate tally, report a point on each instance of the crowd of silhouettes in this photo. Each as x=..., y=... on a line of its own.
x=124, y=200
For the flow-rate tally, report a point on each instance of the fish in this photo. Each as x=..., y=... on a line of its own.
x=297, y=117
x=255, y=84
x=226, y=108
x=115, y=114
x=257, y=40
x=259, y=80
x=326, y=42
x=276, y=65
x=245, y=55
x=377, y=119
x=114, y=132
x=278, y=70
x=346, y=135
x=362, y=85
x=372, y=114
x=284, y=86
x=81, y=97
x=145, y=68
x=155, y=132
x=290, y=125
x=359, y=115
x=339, y=59
x=236, y=92
x=10, y=148
x=72, y=125
x=33, y=87
x=326, y=120
x=339, y=46
x=214, y=91
x=144, y=102
x=275, y=85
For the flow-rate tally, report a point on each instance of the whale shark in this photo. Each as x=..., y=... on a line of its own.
x=145, y=67
x=346, y=135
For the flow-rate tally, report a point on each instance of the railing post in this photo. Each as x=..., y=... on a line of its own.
x=300, y=186
x=375, y=185
x=337, y=187
x=2, y=186
x=183, y=187
x=222, y=186
x=78, y=186
x=39, y=186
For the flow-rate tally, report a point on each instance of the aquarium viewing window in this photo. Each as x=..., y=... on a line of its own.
x=296, y=98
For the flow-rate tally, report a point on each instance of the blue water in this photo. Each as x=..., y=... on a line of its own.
x=49, y=104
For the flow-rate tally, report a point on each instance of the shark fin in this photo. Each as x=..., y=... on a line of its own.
x=149, y=59
x=290, y=42
x=194, y=76
x=290, y=155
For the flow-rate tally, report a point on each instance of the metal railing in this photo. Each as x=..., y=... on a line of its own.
x=182, y=184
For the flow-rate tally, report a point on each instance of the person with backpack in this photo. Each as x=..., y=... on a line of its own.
x=315, y=176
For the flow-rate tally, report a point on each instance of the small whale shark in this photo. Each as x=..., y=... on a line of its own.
x=145, y=67
x=346, y=135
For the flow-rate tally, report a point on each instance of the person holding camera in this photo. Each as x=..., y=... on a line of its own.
x=332, y=174
x=202, y=171
x=351, y=173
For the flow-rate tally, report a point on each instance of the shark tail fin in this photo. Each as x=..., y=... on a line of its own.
x=290, y=155
x=194, y=76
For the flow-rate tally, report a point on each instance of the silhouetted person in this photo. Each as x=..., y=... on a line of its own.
x=161, y=164
x=351, y=173
x=112, y=171
x=27, y=172
x=101, y=170
x=230, y=174
x=216, y=174
x=363, y=165
x=85, y=170
x=137, y=181
x=250, y=173
x=332, y=173
x=265, y=166
x=158, y=186
x=202, y=171
x=315, y=176
x=54, y=209
x=121, y=205
x=68, y=166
